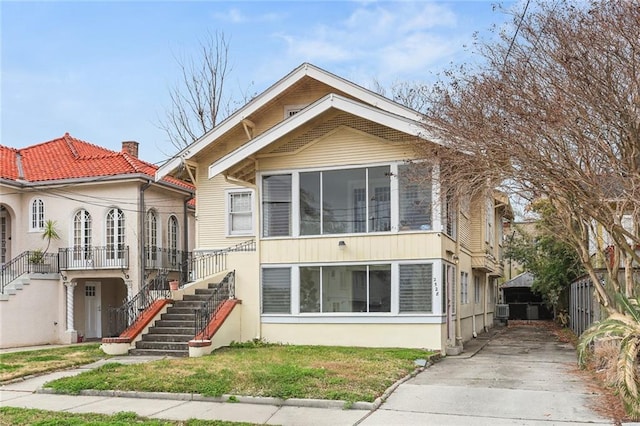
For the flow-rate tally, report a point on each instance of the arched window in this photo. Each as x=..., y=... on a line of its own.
x=82, y=235
x=115, y=234
x=36, y=220
x=151, y=237
x=172, y=240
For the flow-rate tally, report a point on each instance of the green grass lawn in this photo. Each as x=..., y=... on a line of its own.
x=25, y=416
x=258, y=369
x=14, y=365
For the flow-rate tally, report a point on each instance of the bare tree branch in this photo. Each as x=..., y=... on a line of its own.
x=554, y=114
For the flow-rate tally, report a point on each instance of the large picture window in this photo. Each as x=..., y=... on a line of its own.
x=347, y=201
x=354, y=288
x=348, y=289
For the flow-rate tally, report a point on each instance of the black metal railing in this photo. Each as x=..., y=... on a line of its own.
x=26, y=263
x=162, y=258
x=207, y=312
x=106, y=257
x=122, y=317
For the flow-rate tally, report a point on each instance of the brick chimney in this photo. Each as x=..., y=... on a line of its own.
x=130, y=147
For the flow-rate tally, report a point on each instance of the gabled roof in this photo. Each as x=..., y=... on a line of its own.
x=70, y=158
x=305, y=70
x=322, y=105
x=525, y=279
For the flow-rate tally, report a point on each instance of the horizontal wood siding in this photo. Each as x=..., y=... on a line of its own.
x=211, y=212
x=344, y=146
x=358, y=248
x=305, y=92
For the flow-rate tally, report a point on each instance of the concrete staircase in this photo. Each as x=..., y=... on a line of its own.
x=13, y=287
x=170, y=335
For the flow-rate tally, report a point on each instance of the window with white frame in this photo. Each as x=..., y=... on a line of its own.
x=464, y=288
x=151, y=235
x=415, y=288
x=172, y=240
x=477, y=289
x=36, y=220
x=239, y=212
x=276, y=205
x=346, y=201
x=276, y=290
x=81, y=235
x=414, y=199
x=115, y=234
x=348, y=289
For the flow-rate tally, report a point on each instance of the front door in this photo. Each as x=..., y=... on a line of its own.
x=92, y=310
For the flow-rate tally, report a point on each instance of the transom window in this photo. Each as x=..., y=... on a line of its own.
x=346, y=201
x=37, y=215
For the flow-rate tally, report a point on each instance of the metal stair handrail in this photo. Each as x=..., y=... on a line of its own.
x=210, y=307
x=124, y=316
x=25, y=263
x=209, y=264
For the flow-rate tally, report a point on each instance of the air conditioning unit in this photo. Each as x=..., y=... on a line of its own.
x=502, y=312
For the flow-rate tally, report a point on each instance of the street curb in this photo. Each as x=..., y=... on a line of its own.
x=230, y=399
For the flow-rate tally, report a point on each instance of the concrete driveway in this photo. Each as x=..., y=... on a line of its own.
x=521, y=376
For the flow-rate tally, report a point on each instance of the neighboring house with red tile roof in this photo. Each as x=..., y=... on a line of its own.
x=119, y=229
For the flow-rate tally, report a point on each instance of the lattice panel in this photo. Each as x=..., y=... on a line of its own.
x=347, y=120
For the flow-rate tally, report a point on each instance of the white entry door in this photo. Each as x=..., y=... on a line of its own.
x=92, y=310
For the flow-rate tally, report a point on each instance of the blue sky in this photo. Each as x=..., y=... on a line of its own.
x=102, y=70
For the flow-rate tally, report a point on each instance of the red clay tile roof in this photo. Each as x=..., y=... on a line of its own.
x=70, y=158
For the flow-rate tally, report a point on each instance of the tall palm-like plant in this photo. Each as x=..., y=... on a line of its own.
x=625, y=327
x=50, y=232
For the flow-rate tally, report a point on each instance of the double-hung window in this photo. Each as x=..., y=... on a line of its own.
x=240, y=212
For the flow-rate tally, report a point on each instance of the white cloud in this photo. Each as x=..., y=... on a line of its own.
x=235, y=16
x=389, y=40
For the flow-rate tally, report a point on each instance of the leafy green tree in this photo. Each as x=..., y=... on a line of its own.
x=50, y=232
x=553, y=263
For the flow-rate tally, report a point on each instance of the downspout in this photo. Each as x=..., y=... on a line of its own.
x=142, y=266
x=485, y=304
x=458, y=341
x=185, y=239
x=473, y=318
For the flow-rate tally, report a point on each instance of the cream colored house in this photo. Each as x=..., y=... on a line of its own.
x=350, y=250
x=118, y=229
